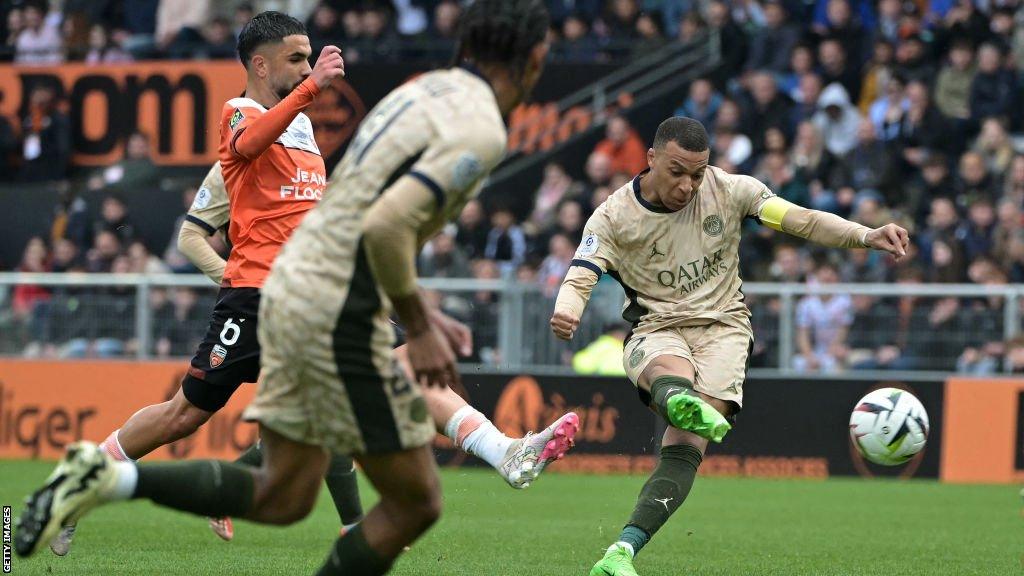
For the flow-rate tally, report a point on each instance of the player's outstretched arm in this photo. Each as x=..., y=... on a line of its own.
x=390, y=232
x=831, y=230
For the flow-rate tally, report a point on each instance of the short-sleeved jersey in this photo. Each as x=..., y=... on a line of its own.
x=677, y=268
x=210, y=210
x=444, y=128
x=269, y=195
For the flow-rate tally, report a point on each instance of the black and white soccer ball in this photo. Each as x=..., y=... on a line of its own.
x=889, y=426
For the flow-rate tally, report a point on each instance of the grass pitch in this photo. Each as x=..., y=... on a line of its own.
x=561, y=526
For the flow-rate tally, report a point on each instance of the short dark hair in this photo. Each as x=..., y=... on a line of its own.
x=688, y=133
x=502, y=32
x=264, y=28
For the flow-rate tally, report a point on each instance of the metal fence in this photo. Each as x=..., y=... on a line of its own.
x=826, y=329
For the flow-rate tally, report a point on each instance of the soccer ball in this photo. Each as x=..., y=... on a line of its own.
x=889, y=426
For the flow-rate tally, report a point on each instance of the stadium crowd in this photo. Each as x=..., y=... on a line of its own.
x=878, y=111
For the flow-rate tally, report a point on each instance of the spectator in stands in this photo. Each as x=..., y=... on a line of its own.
x=822, y=322
x=1013, y=186
x=777, y=173
x=14, y=23
x=943, y=221
x=603, y=356
x=703, y=102
x=923, y=130
x=869, y=163
x=378, y=42
x=994, y=146
x=506, y=242
x=837, y=120
x=444, y=30
x=442, y=259
x=39, y=41
x=106, y=248
x=772, y=44
x=863, y=266
x=175, y=260
x=984, y=321
x=324, y=28
x=102, y=50
x=1013, y=363
x=598, y=171
x=953, y=86
x=114, y=219
x=834, y=66
x=213, y=40
x=732, y=149
x=912, y=61
x=623, y=146
x=875, y=77
x=244, y=12
x=620, y=21
x=143, y=262
x=556, y=187
x=140, y=23
x=801, y=62
x=66, y=257
x=25, y=297
x=993, y=88
x=764, y=107
x=1001, y=27
x=815, y=167
x=964, y=20
x=691, y=27
x=562, y=9
x=174, y=15
x=974, y=180
x=473, y=230
x=649, y=33
x=179, y=323
x=601, y=193
x=805, y=98
x=977, y=233
x=1008, y=237
x=933, y=182
x=841, y=25
x=890, y=13
x=484, y=315
x=552, y=270
x=732, y=39
x=888, y=109
x=46, y=137
x=71, y=218
x=787, y=265
x=577, y=43
x=135, y=173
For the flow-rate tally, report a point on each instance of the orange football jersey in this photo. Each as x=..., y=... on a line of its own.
x=270, y=187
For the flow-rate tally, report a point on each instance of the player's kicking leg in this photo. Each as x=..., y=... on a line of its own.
x=666, y=378
x=518, y=460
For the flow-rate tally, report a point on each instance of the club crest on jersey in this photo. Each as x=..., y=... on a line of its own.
x=588, y=247
x=636, y=357
x=218, y=355
x=713, y=225
x=235, y=118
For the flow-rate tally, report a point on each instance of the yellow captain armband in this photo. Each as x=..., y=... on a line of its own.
x=773, y=211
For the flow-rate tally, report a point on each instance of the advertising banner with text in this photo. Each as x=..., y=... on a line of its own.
x=788, y=428
x=984, y=431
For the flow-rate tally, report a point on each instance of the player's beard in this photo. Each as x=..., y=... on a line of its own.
x=283, y=93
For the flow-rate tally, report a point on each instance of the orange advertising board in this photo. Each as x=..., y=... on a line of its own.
x=177, y=104
x=46, y=405
x=983, y=440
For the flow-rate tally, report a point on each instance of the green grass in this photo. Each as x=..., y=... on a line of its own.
x=561, y=525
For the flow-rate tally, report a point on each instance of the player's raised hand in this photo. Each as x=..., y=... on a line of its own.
x=329, y=65
x=564, y=324
x=431, y=359
x=889, y=238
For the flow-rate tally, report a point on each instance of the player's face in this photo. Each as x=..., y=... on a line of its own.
x=288, y=63
x=676, y=174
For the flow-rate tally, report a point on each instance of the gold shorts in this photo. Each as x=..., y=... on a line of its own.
x=331, y=380
x=718, y=352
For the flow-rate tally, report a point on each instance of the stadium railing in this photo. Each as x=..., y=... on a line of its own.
x=165, y=315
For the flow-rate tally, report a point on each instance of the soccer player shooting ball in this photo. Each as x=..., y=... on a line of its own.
x=671, y=239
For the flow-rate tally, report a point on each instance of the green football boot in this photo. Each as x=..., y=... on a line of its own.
x=689, y=412
x=617, y=561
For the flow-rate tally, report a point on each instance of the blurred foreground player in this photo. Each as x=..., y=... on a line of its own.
x=671, y=238
x=330, y=381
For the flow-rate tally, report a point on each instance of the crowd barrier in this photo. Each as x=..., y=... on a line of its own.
x=788, y=427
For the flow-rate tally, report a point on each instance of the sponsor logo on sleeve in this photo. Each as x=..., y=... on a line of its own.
x=202, y=199
x=468, y=169
x=588, y=247
x=236, y=118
